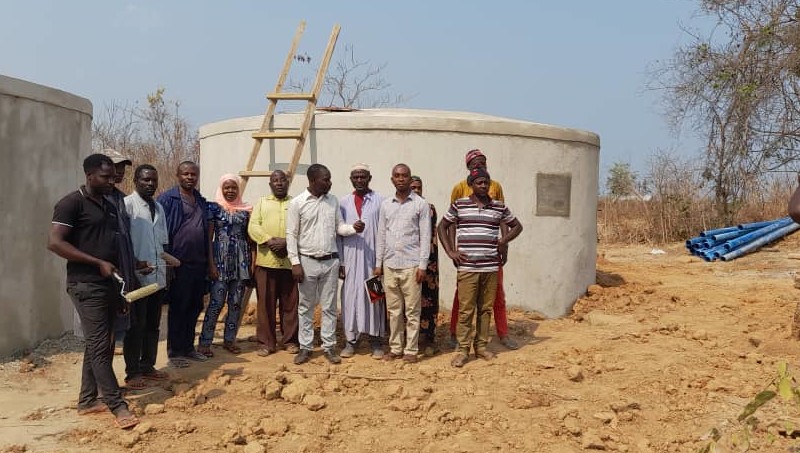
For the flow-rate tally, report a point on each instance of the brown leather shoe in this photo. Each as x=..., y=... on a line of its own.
x=410, y=358
x=485, y=355
x=391, y=356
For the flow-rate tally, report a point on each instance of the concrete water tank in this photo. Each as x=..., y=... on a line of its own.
x=44, y=135
x=549, y=175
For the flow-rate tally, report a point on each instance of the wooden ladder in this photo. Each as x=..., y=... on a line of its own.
x=266, y=131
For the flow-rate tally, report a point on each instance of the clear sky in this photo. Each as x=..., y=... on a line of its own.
x=578, y=63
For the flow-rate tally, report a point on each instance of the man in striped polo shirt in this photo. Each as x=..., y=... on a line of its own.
x=470, y=235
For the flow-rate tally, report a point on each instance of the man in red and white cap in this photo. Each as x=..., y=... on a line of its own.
x=476, y=159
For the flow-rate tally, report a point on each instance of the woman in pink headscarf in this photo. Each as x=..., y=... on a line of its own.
x=230, y=262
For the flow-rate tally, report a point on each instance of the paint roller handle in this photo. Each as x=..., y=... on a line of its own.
x=144, y=268
x=107, y=269
x=170, y=260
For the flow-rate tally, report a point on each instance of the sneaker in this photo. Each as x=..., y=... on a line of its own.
x=459, y=360
x=348, y=351
x=377, y=353
x=332, y=356
x=302, y=357
x=410, y=358
x=509, y=343
x=196, y=356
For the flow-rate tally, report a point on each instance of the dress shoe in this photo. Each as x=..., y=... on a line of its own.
x=302, y=357
x=332, y=356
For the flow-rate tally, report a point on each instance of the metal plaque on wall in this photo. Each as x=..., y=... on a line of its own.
x=553, y=194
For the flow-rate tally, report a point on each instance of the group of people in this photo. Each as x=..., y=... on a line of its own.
x=293, y=251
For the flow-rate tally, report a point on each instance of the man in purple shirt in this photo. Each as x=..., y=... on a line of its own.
x=186, y=213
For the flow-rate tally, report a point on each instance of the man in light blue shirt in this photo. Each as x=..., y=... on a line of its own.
x=149, y=236
x=402, y=249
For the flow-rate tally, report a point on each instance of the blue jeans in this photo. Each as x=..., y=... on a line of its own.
x=232, y=292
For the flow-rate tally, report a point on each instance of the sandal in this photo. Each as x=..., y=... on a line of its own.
x=136, y=383
x=126, y=420
x=96, y=408
x=459, y=360
x=156, y=375
x=232, y=348
x=205, y=350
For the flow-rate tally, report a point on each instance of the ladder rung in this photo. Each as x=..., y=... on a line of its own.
x=250, y=173
x=291, y=96
x=288, y=134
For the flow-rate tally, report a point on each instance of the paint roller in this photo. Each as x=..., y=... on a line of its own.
x=137, y=294
x=150, y=289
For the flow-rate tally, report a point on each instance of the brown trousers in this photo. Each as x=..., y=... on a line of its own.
x=476, y=293
x=275, y=289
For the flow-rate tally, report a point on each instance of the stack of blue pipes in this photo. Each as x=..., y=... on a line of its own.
x=729, y=243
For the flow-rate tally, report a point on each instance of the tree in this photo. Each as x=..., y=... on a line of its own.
x=155, y=133
x=738, y=89
x=351, y=83
x=621, y=181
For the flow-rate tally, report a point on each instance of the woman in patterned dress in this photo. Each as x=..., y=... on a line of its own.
x=230, y=262
x=430, y=288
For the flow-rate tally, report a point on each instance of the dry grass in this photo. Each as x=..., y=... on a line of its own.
x=678, y=217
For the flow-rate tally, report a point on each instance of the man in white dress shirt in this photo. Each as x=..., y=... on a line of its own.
x=312, y=223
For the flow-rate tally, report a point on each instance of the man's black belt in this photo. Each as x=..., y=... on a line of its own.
x=331, y=256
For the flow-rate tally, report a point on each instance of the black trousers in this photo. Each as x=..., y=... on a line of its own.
x=141, y=341
x=97, y=304
x=185, y=304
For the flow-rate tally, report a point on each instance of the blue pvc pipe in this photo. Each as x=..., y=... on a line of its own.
x=711, y=243
x=735, y=234
x=734, y=244
x=718, y=231
x=727, y=236
x=763, y=240
x=696, y=240
x=717, y=251
x=756, y=225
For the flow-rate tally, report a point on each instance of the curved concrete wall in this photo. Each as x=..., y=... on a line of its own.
x=44, y=135
x=549, y=175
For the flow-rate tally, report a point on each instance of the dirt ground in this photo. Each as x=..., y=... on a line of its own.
x=663, y=349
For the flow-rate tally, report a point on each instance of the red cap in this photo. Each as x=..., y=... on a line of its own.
x=473, y=154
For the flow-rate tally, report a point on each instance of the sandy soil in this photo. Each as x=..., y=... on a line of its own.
x=663, y=349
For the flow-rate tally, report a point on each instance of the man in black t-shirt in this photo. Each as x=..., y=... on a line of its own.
x=84, y=232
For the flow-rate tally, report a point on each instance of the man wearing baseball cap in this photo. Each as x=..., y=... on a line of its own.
x=127, y=260
x=476, y=159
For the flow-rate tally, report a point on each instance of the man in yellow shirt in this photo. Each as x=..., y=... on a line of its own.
x=476, y=159
x=275, y=287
